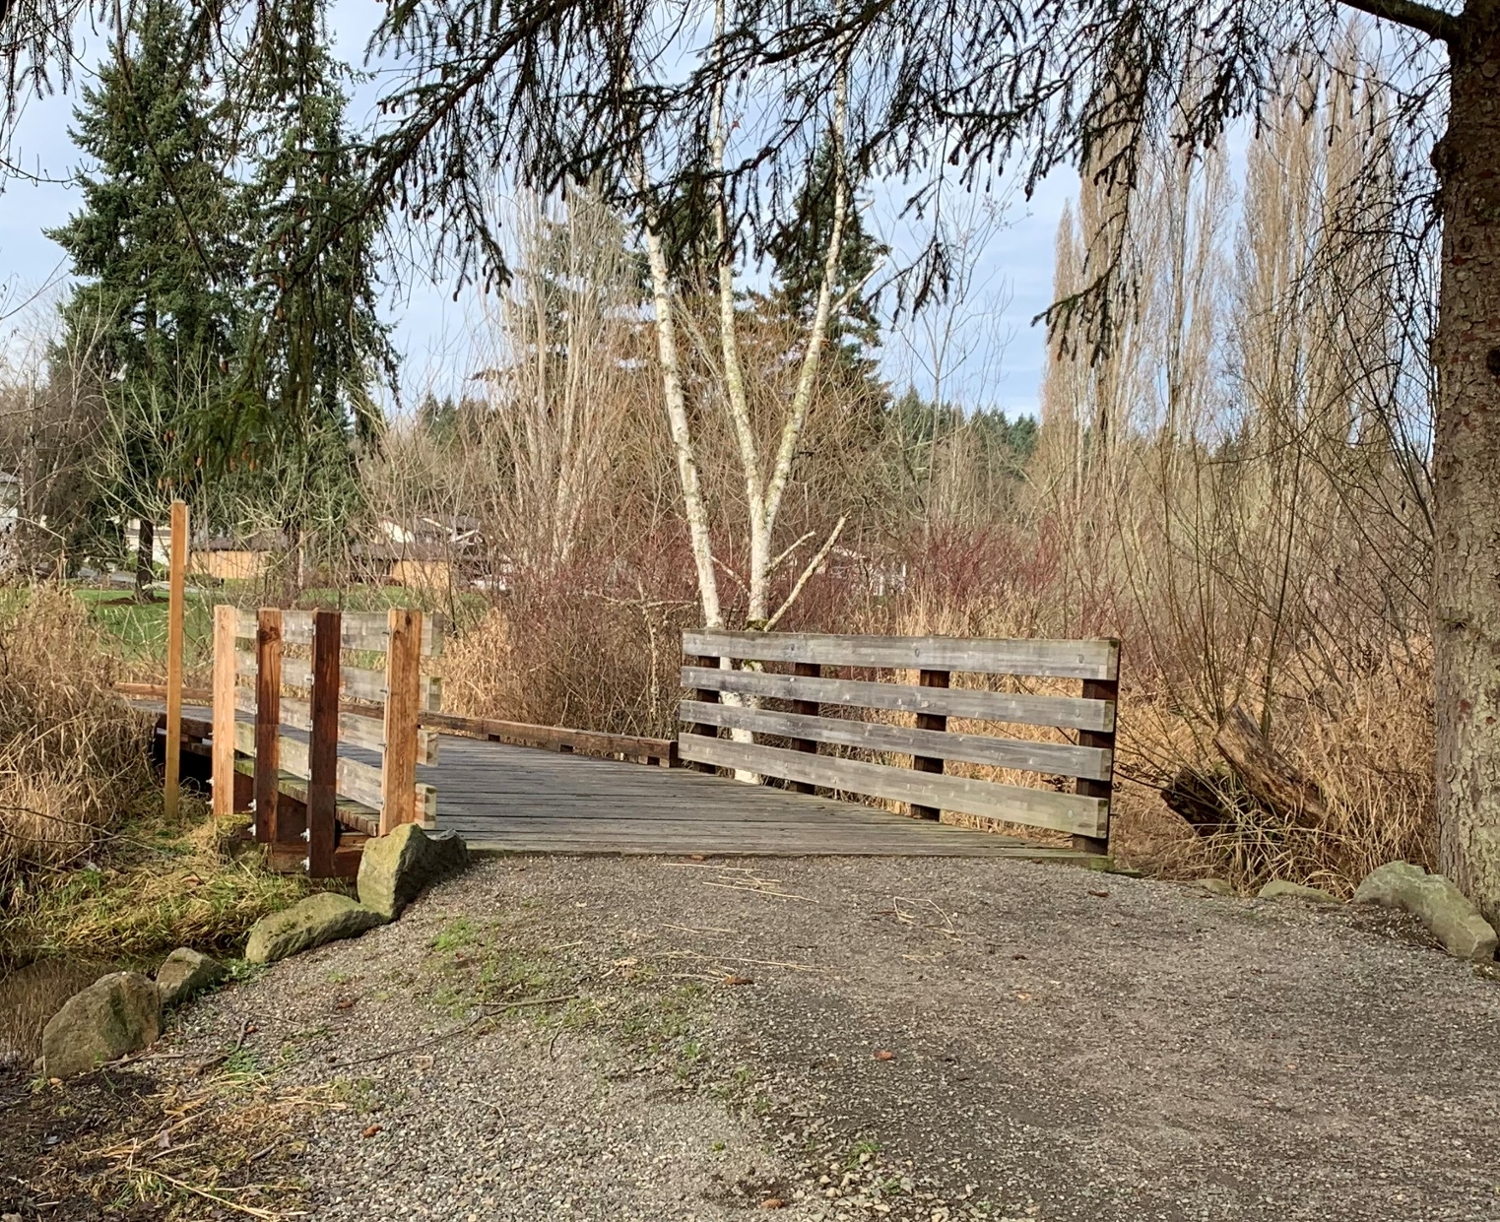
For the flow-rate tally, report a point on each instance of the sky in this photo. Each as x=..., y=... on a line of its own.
x=995, y=359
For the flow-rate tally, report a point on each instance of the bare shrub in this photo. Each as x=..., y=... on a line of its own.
x=73, y=757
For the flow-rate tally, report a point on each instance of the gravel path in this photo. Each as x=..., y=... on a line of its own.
x=846, y=1038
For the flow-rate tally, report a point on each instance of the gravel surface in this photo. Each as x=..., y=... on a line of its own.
x=912, y=1039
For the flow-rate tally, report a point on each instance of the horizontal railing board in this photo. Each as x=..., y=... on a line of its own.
x=347, y=811
x=356, y=729
x=1095, y=659
x=582, y=742
x=356, y=781
x=368, y=631
x=1065, y=712
x=355, y=682
x=1062, y=812
x=1060, y=759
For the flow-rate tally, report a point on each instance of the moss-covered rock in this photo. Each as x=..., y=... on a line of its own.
x=394, y=868
x=1280, y=889
x=184, y=973
x=1434, y=900
x=321, y=918
x=116, y=1015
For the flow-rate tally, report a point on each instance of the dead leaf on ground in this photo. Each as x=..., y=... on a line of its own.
x=773, y=1203
x=422, y=1062
x=738, y=980
x=1018, y=955
x=885, y=1054
x=372, y=1130
x=1103, y=895
x=344, y=1003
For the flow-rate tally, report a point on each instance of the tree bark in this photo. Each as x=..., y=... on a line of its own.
x=1466, y=462
x=145, y=570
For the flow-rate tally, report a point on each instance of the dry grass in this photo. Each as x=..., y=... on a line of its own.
x=73, y=757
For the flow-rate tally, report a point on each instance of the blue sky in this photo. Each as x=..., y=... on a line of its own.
x=998, y=355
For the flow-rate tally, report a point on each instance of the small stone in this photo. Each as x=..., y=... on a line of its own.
x=393, y=869
x=320, y=918
x=185, y=973
x=116, y=1015
x=1280, y=889
x=1434, y=900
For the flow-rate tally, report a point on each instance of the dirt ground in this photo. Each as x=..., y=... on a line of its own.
x=831, y=1038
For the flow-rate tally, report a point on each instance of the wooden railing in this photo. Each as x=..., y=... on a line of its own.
x=1088, y=761
x=304, y=789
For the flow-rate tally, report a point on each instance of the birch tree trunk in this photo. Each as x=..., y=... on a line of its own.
x=1466, y=460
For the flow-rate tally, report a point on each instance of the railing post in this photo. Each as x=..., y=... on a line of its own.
x=808, y=708
x=267, y=724
x=403, y=703
x=225, y=626
x=323, y=748
x=1100, y=689
x=175, y=594
x=706, y=695
x=929, y=721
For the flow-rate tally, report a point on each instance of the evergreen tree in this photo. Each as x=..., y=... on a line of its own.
x=313, y=346
x=155, y=245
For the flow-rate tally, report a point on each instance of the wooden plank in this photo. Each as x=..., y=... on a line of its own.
x=403, y=703
x=805, y=708
x=359, y=727
x=703, y=695
x=1096, y=659
x=366, y=631
x=1067, y=712
x=267, y=723
x=1054, y=759
x=583, y=742
x=175, y=580
x=934, y=723
x=1100, y=786
x=356, y=780
x=323, y=746
x=1061, y=812
x=224, y=692
x=355, y=682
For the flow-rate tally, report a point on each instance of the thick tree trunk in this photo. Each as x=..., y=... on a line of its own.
x=145, y=571
x=1466, y=461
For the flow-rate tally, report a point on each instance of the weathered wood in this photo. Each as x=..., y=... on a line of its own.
x=355, y=682
x=362, y=631
x=703, y=695
x=223, y=695
x=805, y=708
x=403, y=704
x=364, y=819
x=359, y=725
x=323, y=745
x=158, y=691
x=267, y=723
x=933, y=723
x=1098, y=659
x=1061, y=812
x=356, y=780
x=176, y=577
x=1272, y=779
x=1053, y=759
x=1067, y=712
x=553, y=738
x=1101, y=740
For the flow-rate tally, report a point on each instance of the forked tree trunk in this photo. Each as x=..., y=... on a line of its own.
x=1466, y=461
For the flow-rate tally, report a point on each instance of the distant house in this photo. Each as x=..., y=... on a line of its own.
x=422, y=553
x=227, y=559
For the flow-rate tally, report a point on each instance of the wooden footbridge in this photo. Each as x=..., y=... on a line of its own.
x=348, y=740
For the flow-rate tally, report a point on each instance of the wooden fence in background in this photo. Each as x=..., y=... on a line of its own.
x=313, y=804
x=806, y=686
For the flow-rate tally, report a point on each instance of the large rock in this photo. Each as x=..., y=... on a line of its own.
x=1280, y=889
x=116, y=1015
x=184, y=973
x=393, y=869
x=320, y=918
x=1435, y=901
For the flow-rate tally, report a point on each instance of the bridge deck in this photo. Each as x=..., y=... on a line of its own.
x=502, y=798
x=521, y=799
